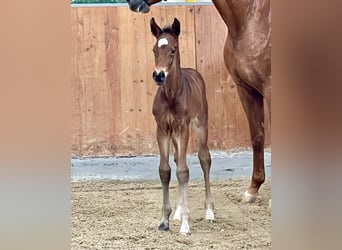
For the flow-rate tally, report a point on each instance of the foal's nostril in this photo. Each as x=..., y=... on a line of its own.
x=162, y=75
x=159, y=77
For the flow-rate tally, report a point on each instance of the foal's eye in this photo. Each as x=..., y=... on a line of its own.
x=173, y=50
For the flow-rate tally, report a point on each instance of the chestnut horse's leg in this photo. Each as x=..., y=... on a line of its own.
x=253, y=104
x=201, y=129
x=182, y=212
x=267, y=95
x=165, y=175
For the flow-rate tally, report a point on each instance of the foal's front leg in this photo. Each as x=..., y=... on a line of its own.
x=164, y=174
x=182, y=212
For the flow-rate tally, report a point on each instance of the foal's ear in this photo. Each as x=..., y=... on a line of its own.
x=155, y=29
x=176, y=27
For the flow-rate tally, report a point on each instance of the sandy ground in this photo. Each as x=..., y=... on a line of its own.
x=125, y=215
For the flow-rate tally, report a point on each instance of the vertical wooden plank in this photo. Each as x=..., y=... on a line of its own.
x=95, y=103
x=143, y=118
x=76, y=119
x=135, y=48
x=113, y=67
x=126, y=79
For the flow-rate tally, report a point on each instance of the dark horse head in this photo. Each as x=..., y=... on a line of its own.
x=141, y=5
x=166, y=52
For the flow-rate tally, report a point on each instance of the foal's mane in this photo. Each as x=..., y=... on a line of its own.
x=167, y=29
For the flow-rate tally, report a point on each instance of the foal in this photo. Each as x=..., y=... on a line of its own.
x=180, y=99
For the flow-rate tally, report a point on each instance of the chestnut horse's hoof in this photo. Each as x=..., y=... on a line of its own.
x=248, y=197
x=164, y=227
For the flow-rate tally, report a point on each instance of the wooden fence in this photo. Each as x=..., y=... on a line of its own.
x=112, y=86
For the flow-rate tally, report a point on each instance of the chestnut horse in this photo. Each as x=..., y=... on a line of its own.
x=247, y=55
x=180, y=99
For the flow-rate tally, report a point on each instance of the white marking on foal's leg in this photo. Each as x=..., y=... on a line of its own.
x=177, y=215
x=209, y=214
x=185, y=228
x=248, y=197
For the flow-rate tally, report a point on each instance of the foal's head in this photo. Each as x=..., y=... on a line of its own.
x=166, y=53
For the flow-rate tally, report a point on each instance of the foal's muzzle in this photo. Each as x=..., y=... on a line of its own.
x=159, y=77
x=139, y=6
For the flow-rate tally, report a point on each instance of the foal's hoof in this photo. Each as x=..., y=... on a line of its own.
x=164, y=227
x=248, y=197
x=185, y=233
x=185, y=228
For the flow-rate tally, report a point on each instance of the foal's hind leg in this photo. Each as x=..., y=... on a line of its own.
x=205, y=160
x=164, y=174
x=253, y=105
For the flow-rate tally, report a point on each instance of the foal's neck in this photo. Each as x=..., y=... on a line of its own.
x=173, y=82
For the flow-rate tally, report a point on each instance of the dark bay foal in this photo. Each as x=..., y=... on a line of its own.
x=180, y=99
